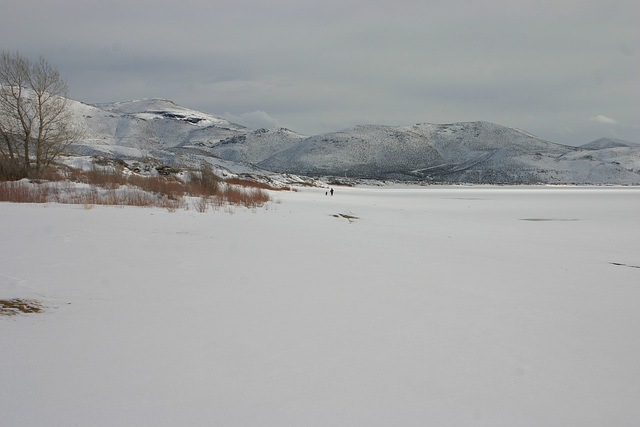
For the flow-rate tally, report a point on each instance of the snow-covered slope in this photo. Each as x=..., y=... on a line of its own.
x=170, y=124
x=601, y=143
x=256, y=146
x=364, y=151
x=478, y=152
x=146, y=128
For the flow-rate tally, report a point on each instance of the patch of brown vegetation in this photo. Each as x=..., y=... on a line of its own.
x=19, y=192
x=249, y=197
x=110, y=185
x=254, y=184
x=11, y=307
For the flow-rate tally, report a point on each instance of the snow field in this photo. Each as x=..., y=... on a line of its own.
x=448, y=306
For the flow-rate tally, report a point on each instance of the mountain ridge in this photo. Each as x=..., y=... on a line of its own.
x=473, y=152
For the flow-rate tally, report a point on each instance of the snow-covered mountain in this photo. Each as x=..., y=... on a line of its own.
x=148, y=128
x=604, y=143
x=256, y=146
x=475, y=152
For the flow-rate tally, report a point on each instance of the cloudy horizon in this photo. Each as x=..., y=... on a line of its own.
x=566, y=71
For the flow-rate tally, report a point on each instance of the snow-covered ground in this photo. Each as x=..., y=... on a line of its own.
x=444, y=306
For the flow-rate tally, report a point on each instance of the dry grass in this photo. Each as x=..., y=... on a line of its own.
x=105, y=178
x=254, y=184
x=11, y=307
x=109, y=185
x=203, y=182
x=168, y=186
x=123, y=197
x=15, y=170
x=20, y=192
x=249, y=197
x=202, y=204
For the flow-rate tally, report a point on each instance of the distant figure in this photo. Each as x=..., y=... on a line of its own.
x=326, y=193
x=332, y=191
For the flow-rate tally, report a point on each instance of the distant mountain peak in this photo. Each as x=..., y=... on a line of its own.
x=606, y=142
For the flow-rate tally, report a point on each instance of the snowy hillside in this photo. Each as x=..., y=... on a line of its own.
x=474, y=152
x=170, y=124
x=477, y=152
x=601, y=143
x=363, y=151
x=256, y=146
x=147, y=128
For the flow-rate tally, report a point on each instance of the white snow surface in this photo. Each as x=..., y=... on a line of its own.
x=447, y=306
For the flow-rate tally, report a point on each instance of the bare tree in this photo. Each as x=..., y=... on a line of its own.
x=35, y=119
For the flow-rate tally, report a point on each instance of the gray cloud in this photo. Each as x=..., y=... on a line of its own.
x=604, y=119
x=547, y=67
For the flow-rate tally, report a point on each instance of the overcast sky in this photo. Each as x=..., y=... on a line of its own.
x=565, y=70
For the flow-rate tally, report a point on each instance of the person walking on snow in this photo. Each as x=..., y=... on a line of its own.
x=332, y=191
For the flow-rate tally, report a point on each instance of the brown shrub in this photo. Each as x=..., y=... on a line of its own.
x=202, y=204
x=123, y=197
x=251, y=198
x=254, y=184
x=105, y=178
x=75, y=174
x=12, y=169
x=169, y=204
x=169, y=186
x=48, y=173
x=109, y=186
x=203, y=182
x=136, y=197
x=22, y=192
x=15, y=169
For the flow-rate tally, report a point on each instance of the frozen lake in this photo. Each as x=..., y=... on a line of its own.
x=448, y=306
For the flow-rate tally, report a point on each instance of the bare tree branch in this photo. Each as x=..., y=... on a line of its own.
x=35, y=121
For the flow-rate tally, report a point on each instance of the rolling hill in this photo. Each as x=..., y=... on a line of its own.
x=475, y=152
x=469, y=152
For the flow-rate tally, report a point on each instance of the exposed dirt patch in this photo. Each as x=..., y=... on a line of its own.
x=11, y=307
